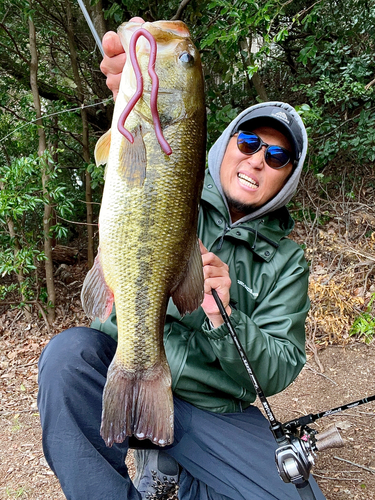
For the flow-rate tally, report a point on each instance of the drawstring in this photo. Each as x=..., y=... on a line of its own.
x=256, y=234
x=221, y=241
x=262, y=236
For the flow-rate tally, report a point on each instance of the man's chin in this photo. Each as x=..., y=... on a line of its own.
x=237, y=207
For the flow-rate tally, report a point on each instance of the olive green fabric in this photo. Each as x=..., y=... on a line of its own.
x=269, y=306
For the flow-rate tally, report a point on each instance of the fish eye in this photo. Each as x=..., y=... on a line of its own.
x=186, y=58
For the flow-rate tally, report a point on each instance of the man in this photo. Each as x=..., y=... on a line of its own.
x=223, y=444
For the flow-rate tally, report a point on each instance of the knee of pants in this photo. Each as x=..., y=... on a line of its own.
x=74, y=347
x=73, y=361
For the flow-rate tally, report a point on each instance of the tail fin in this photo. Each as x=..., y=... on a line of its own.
x=139, y=403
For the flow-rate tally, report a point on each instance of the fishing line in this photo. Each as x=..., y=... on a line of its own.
x=54, y=114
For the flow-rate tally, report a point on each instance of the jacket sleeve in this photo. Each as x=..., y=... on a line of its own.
x=273, y=335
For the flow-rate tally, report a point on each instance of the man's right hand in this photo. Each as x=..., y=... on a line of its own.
x=114, y=58
x=216, y=275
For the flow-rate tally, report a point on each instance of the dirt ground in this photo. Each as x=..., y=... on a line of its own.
x=344, y=474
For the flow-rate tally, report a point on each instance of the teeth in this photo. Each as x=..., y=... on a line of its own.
x=248, y=180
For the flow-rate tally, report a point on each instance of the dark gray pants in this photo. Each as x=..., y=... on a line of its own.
x=222, y=455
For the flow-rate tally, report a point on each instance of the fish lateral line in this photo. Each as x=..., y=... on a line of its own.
x=139, y=91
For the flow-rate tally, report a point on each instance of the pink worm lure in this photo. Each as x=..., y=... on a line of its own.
x=154, y=90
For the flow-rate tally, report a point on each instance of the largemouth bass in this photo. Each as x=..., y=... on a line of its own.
x=148, y=248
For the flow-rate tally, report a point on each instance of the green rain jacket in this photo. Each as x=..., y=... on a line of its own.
x=269, y=306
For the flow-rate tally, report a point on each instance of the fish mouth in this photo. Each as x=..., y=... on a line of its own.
x=162, y=91
x=247, y=181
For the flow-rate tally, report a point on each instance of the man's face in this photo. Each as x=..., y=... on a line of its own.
x=247, y=181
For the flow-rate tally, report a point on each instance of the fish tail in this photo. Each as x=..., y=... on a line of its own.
x=137, y=403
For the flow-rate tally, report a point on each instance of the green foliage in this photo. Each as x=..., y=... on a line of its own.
x=226, y=33
x=364, y=325
x=97, y=175
x=21, y=211
x=20, y=202
x=121, y=11
x=336, y=67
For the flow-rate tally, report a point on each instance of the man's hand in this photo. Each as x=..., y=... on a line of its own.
x=216, y=275
x=114, y=58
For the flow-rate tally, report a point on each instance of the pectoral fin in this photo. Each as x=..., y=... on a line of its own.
x=102, y=149
x=96, y=296
x=189, y=294
x=133, y=159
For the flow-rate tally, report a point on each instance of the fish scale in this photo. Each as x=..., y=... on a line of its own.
x=148, y=248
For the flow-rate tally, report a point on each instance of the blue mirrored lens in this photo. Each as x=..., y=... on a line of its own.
x=276, y=156
x=248, y=144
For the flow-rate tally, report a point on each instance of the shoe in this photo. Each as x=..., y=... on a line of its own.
x=156, y=475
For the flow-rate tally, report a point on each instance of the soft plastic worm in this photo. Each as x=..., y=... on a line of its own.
x=154, y=90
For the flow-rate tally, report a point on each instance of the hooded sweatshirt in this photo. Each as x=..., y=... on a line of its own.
x=216, y=154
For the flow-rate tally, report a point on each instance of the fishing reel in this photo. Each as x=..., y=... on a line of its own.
x=295, y=457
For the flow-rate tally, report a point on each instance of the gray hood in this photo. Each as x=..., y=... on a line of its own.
x=216, y=154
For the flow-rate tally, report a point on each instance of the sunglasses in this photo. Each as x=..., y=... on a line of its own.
x=276, y=157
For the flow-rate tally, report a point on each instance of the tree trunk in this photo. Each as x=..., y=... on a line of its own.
x=44, y=162
x=259, y=87
x=98, y=18
x=85, y=135
x=255, y=79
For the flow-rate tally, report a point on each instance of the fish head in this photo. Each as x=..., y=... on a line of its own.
x=178, y=67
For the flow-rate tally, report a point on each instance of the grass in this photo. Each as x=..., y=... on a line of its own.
x=18, y=493
x=364, y=325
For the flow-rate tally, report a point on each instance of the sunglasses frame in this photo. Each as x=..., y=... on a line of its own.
x=262, y=143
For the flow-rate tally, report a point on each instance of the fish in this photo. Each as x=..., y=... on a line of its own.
x=148, y=250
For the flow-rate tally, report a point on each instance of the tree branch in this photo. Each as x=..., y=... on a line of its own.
x=12, y=112
x=180, y=9
x=369, y=85
x=14, y=43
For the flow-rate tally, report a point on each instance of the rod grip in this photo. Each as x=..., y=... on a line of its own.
x=330, y=438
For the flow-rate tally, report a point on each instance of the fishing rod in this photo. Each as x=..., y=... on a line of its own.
x=297, y=442
x=294, y=459
x=292, y=425
x=91, y=26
